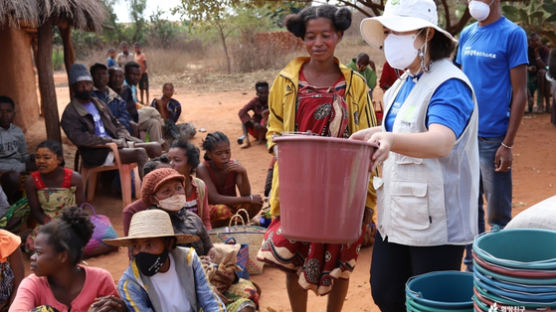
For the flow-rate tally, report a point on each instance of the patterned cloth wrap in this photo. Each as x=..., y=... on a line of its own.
x=238, y=295
x=44, y=308
x=16, y=216
x=6, y=285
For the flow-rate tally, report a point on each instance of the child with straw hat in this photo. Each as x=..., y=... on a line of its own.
x=161, y=275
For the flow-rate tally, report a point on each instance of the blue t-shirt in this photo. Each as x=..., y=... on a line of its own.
x=451, y=105
x=486, y=54
x=110, y=62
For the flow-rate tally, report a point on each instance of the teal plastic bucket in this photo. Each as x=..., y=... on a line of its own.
x=548, y=292
x=528, y=274
x=515, y=280
x=442, y=289
x=415, y=306
x=525, y=249
x=485, y=302
x=510, y=302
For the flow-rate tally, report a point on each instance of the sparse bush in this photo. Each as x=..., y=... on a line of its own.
x=57, y=58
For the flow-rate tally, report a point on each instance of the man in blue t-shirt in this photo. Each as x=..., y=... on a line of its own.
x=493, y=54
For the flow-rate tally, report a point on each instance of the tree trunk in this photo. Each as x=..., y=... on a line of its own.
x=46, y=82
x=223, y=39
x=69, y=55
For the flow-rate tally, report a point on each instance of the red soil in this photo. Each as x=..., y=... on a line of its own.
x=534, y=173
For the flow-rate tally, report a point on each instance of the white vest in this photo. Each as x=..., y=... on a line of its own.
x=433, y=201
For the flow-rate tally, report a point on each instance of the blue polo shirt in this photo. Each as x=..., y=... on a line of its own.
x=486, y=54
x=451, y=105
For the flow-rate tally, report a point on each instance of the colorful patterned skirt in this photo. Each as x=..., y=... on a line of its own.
x=316, y=264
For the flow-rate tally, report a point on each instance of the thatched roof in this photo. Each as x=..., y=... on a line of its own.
x=83, y=14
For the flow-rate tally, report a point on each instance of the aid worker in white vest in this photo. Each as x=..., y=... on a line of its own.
x=428, y=189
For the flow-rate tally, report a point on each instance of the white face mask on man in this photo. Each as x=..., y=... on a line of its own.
x=399, y=50
x=479, y=10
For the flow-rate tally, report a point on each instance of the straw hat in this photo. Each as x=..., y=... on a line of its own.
x=154, y=179
x=151, y=223
x=401, y=16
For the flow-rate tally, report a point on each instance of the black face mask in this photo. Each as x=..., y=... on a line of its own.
x=85, y=95
x=149, y=264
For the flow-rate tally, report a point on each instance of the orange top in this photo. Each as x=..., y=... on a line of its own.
x=141, y=59
x=8, y=244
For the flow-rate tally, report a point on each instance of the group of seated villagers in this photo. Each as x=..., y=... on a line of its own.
x=173, y=263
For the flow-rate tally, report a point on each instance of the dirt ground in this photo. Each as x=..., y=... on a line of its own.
x=534, y=172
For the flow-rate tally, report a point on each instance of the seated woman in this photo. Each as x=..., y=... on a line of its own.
x=52, y=187
x=162, y=275
x=164, y=189
x=139, y=205
x=222, y=175
x=58, y=280
x=184, y=158
x=11, y=268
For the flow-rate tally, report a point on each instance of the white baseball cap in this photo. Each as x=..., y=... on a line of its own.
x=401, y=16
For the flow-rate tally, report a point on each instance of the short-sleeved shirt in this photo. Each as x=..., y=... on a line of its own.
x=110, y=62
x=451, y=105
x=123, y=59
x=35, y=291
x=486, y=54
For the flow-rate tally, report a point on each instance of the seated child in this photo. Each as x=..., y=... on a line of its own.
x=170, y=111
x=52, y=187
x=255, y=124
x=14, y=159
x=163, y=276
x=222, y=175
x=59, y=281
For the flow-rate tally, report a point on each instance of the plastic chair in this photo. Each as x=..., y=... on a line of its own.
x=89, y=175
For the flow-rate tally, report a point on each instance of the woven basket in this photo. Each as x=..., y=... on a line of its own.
x=242, y=234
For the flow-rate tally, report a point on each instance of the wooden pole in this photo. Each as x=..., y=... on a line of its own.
x=65, y=32
x=46, y=82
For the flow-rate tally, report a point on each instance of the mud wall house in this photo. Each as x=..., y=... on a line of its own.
x=26, y=34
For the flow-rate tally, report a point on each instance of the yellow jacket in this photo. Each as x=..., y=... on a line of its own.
x=281, y=104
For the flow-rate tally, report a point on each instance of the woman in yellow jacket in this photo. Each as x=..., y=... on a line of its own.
x=320, y=95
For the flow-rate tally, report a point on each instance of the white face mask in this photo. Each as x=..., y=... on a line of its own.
x=173, y=203
x=479, y=10
x=399, y=50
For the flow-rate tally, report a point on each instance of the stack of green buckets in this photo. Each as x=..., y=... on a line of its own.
x=515, y=270
x=442, y=291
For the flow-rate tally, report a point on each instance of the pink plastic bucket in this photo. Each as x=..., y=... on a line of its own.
x=323, y=187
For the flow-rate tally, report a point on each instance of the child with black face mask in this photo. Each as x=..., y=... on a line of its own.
x=161, y=276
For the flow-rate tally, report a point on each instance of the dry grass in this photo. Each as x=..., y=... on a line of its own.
x=204, y=68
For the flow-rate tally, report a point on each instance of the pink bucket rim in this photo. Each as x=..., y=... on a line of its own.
x=314, y=138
